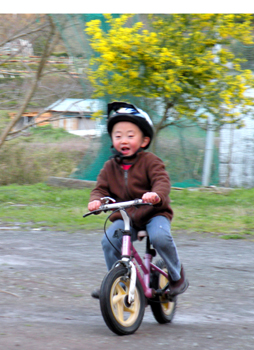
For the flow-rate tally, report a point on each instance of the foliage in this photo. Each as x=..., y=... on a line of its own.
x=245, y=52
x=182, y=59
x=60, y=54
x=224, y=214
x=43, y=152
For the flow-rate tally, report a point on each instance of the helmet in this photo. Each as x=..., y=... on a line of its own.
x=125, y=112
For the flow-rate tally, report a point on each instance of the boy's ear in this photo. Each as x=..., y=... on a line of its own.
x=145, y=142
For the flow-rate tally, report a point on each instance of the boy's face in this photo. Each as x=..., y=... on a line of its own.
x=127, y=138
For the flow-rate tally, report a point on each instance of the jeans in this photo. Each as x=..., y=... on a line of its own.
x=158, y=229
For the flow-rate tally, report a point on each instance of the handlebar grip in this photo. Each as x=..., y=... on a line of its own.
x=98, y=211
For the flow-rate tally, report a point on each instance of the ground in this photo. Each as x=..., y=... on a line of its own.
x=45, y=303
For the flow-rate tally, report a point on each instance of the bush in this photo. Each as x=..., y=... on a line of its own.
x=33, y=162
x=60, y=54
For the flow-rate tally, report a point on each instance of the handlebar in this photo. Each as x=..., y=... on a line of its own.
x=120, y=205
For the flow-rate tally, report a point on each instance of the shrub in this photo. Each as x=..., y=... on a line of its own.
x=33, y=162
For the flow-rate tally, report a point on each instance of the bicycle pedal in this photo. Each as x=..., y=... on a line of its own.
x=168, y=296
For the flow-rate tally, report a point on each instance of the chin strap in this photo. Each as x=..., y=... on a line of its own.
x=119, y=157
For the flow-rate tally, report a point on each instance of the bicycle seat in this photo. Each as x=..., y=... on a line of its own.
x=141, y=234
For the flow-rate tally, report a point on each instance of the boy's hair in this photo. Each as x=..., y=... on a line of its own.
x=126, y=112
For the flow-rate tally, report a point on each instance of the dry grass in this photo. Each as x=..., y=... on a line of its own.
x=33, y=158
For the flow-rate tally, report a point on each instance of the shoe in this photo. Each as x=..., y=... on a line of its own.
x=180, y=286
x=96, y=293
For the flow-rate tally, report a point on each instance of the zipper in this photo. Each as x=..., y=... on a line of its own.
x=126, y=178
x=126, y=182
x=127, y=191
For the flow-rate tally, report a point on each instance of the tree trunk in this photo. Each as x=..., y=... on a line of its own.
x=161, y=125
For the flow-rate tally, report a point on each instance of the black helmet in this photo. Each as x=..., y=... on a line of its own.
x=126, y=112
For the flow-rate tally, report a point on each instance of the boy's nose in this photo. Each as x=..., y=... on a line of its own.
x=124, y=140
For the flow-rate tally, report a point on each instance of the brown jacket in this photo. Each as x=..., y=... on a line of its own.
x=147, y=174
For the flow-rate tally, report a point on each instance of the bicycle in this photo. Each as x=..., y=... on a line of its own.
x=133, y=283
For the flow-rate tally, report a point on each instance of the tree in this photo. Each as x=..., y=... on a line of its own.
x=182, y=60
x=38, y=80
x=38, y=74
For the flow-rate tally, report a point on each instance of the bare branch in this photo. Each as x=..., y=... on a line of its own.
x=23, y=34
x=33, y=124
x=53, y=37
x=159, y=126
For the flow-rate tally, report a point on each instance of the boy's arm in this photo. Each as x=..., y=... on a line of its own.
x=101, y=188
x=160, y=181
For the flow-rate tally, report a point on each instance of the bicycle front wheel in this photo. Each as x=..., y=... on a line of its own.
x=163, y=309
x=120, y=316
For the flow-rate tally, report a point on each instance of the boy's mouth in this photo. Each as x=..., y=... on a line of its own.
x=125, y=150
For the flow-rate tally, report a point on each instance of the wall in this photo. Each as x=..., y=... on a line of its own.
x=75, y=123
x=236, y=155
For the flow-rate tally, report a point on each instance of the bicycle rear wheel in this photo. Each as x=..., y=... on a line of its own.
x=162, y=308
x=120, y=316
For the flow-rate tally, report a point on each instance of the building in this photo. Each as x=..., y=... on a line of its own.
x=73, y=115
x=76, y=115
x=236, y=154
x=20, y=47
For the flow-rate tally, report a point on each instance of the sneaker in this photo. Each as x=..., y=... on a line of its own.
x=180, y=286
x=96, y=293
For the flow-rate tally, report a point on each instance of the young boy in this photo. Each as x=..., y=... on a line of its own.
x=133, y=173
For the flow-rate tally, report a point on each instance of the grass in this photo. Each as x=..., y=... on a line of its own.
x=44, y=206
x=47, y=133
x=229, y=215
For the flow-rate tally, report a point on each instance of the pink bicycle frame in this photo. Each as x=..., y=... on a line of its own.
x=142, y=268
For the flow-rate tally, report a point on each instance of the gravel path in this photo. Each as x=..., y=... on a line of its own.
x=45, y=303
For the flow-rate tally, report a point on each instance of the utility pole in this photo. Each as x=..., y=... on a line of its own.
x=207, y=166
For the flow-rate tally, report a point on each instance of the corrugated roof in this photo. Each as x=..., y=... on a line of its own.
x=76, y=105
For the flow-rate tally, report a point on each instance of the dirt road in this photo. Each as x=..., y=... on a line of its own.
x=45, y=304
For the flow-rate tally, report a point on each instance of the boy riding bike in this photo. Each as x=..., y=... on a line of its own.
x=132, y=173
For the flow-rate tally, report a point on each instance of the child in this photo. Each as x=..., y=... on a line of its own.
x=132, y=173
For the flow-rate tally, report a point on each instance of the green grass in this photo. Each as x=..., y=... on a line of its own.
x=229, y=215
x=44, y=206
x=47, y=133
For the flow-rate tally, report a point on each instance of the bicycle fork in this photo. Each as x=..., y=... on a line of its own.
x=126, y=253
x=127, y=250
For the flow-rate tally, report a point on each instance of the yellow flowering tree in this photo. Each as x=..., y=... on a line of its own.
x=182, y=60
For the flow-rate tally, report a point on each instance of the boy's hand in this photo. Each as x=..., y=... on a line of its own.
x=151, y=197
x=94, y=205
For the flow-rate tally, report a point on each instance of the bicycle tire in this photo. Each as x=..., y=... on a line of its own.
x=121, y=318
x=163, y=309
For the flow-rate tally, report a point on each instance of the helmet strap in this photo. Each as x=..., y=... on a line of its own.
x=119, y=157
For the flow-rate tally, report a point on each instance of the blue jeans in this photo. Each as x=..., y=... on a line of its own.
x=158, y=229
